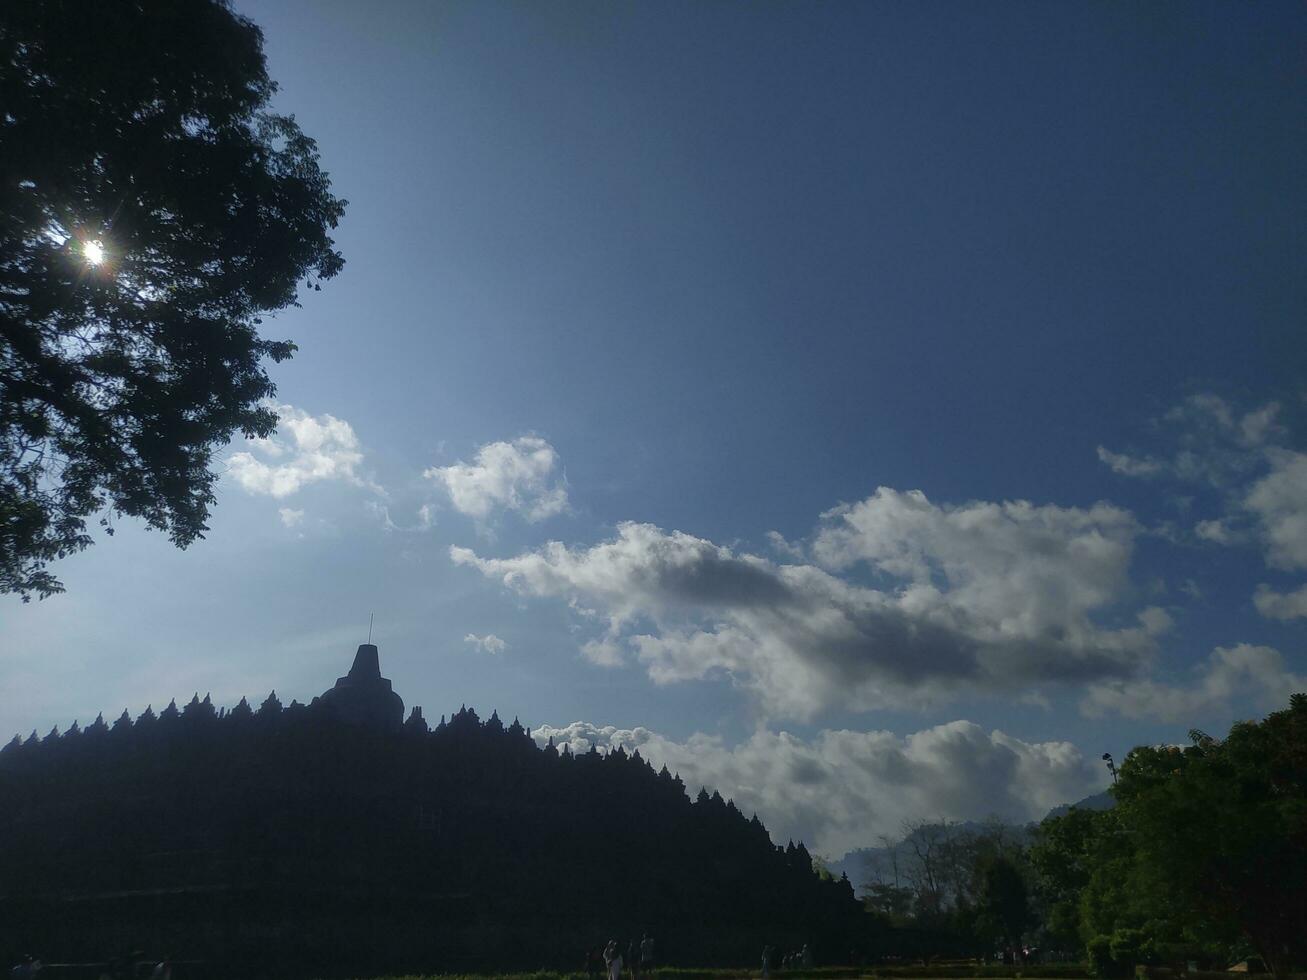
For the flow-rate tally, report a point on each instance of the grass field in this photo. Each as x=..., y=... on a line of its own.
x=1058, y=972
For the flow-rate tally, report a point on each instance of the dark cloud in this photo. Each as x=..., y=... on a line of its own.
x=998, y=597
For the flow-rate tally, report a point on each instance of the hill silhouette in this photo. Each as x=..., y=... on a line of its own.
x=1097, y=801
x=329, y=840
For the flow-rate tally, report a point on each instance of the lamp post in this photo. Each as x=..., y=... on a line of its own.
x=1111, y=766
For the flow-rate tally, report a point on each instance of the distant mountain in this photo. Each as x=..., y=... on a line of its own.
x=856, y=863
x=1099, y=801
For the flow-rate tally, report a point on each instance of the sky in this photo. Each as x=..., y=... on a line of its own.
x=873, y=411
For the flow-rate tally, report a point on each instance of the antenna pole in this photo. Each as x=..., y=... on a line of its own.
x=370, y=615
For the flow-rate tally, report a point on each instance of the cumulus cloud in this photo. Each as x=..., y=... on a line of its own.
x=1260, y=426
x=995, y=596
x=486, y=644
x=1278, y=501
x=1281, y=605
x=784, y=548
x=305, y=449
x=841, y=789
x=518, y=476
x=602, y=653
x=1244, y=671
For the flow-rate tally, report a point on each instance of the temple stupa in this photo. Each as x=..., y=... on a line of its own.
x=363, y=697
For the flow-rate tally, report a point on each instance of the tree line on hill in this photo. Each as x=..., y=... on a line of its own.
x=1203, y=860
x=281, y=840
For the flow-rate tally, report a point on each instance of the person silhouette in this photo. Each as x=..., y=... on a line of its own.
x=613, y=960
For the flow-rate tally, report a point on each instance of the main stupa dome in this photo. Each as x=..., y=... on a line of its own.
x=363, y=697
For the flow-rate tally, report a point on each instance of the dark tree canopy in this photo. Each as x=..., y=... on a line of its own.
x=152, y=207
x=202, y=835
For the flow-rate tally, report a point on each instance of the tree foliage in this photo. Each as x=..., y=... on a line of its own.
x=1202, y=859
x=152, y=208
x=1003, y=911
x=950, y=889
x=1221, y=826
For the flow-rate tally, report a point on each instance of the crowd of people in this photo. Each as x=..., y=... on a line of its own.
x=123, y=968
x=638, y=958
x=788, y=961
x=612, y=960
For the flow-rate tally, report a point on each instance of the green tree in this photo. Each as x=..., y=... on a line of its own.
x=1003, y=910
x=1221, y=826
x=888, y=900
x=152, y=208
x=1064, y=854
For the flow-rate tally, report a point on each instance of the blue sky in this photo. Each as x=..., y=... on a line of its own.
x=678, y=288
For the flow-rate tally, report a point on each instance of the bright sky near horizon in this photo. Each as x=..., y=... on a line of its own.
x=871, y=410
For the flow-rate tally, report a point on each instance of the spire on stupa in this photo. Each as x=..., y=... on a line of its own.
x=363, y=697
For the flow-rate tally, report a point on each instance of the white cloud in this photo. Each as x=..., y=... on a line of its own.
x=518, y=476
x=1262, y=484
x=1026, y=570
x=486, y=644
x=1281, y=605
x=1213, y=444
x=784, y=548
x=1203, y=408
x=305, y=449
x=1128, y=465
x=842, y=788
x=290, y=517
x=1242, y=671
x=1259, y=426
x=990, y=596
x=1218, y=532
x=381, y=514
x=1279, y=503
x=603, y=653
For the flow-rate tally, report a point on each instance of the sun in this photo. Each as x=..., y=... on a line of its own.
x=94, y=252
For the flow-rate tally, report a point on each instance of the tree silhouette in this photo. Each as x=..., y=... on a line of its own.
x=1002, y=905
x=372, y=851
x=152, y=209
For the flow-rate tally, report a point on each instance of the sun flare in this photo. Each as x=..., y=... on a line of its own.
x=94, y=252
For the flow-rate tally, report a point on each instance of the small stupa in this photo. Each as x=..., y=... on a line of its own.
x=363, y=697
